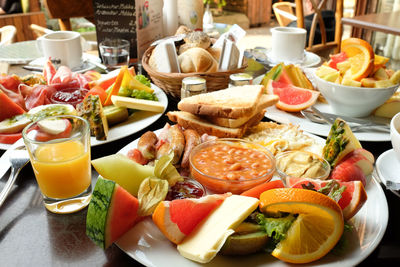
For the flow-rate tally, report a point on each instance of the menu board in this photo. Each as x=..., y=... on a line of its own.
x=116, y=19
x=138, y=21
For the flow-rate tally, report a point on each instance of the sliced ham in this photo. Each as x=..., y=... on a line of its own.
x=10, y=82
x=63, y=75
x=82, y=80
x=49, y=71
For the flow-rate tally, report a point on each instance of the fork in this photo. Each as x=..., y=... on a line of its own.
x=19, y=158
x=354, y=127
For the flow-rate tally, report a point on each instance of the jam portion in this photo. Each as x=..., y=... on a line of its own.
x=185, y=189
x=71, y=96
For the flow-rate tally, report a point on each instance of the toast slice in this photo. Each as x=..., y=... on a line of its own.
x=190, y=121
x=265, y=101
x=233, y=102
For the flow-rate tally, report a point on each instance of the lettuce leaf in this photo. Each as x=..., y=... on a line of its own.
x=276, y=228
x=143, y=79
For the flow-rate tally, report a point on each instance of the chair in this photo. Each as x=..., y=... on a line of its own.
x=39, y=30
x=8, y=34
x=286, y=12
x=63, y=10
x=21, y=21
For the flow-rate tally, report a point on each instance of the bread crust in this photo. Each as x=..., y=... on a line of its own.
x=233, y=103
x=202, y=126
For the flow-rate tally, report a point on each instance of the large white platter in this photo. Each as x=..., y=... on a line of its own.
x=136, y=122
x=281, y=116
x=146, y=244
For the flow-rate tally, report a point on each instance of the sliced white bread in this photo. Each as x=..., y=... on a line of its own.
x=190, y=121
x=233, y=103
x=264, y=102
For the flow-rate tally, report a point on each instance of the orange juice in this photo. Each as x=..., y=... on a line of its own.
x=62, y=170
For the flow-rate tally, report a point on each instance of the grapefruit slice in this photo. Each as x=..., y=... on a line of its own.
x=292, y=98
x=353, y=198
x=177, y=218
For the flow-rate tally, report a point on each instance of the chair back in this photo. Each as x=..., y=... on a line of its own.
x=325, y=46
x=8, y=34
x=63, y=10
x=284, y=13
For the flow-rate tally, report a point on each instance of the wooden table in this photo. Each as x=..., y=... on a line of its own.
x=32, y=236
x=383, y=22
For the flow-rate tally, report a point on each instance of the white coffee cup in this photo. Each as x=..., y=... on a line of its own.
x=288, y=44
x=63, y=47
x=395, y=134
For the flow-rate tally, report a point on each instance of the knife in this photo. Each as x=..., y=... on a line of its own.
x=5, y=158
x=356, y=122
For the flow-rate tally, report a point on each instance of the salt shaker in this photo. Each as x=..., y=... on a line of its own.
x=193, y=86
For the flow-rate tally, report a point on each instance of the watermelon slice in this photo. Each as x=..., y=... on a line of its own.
x=292, y=98
x=8, y=107
x=353, y=197
x=177, y=218
x=111, y=213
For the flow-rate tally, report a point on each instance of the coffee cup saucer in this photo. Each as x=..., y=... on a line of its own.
x=387, y=167
x=310, y=60
x=87, y=63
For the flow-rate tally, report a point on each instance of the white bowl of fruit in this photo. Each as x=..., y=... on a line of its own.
x=356, y=81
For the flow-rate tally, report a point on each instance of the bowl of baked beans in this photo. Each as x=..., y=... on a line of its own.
x=231, y=165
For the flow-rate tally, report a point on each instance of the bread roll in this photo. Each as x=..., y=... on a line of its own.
x=197, y=60
x=198, y=39
x=215, y=52
x=182, y=30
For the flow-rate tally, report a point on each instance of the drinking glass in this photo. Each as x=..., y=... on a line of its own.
x=114, y=52
x=59, y=150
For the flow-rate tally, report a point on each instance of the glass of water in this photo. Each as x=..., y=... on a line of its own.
x=114, y=53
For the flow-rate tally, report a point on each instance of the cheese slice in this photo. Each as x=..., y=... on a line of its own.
x=134, y=103
x=204, y=242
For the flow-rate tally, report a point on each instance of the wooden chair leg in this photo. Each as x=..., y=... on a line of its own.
x=65, y=24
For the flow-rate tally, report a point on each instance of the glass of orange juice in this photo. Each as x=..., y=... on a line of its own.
x=59, y=150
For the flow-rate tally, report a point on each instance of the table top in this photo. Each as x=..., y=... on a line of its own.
x=384, y=22
x=30, y=235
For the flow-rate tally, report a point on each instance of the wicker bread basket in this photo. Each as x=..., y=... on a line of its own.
x=171, y=83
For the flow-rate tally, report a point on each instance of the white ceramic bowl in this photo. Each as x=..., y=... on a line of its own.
x=353, y=101
x=395, y=134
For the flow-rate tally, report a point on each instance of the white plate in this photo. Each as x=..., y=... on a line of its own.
x=19, y=53
x=146, y=244
x=310, y=60
x=278, y=115
x=87, y=63
x=136, y=122
x=388, y=166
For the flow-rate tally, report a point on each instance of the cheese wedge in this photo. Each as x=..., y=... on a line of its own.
x=134, y=103
x=204, y=242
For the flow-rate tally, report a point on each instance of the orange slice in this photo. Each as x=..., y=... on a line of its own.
x=380, y=61
x=361, y=56
x=315, y=231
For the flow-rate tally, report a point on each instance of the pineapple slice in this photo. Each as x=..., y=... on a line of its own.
x=395, y=78
x=381, y=74
x=350, y=82
x=383, y=84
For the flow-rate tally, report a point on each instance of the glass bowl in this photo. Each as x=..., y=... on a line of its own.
x=296, y=164
x=72, y=96
x=231, y=165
